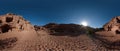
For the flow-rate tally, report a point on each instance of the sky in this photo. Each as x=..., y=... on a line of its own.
x=40, y=12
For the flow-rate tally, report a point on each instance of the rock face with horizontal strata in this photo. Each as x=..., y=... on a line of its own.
x=13, y=22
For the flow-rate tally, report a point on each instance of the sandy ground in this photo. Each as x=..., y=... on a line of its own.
x=109, y=35
x=41, y=41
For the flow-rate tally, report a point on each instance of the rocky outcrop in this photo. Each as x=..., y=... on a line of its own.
x=13, y=22
x=39, y=28
x=113, y=25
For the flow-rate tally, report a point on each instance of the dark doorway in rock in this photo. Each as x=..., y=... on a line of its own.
x=9, y=19
x=18, y=21
x=117, y=32
x=118, y=20
x=5, y=28
x=0, y=21
x=109, y=28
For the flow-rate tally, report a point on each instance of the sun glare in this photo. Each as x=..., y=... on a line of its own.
x=84, y=23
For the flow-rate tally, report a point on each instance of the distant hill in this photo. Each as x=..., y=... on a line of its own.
x=67, y=29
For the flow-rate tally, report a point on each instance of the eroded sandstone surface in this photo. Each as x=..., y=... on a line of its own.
x=113, y=25
x=12, y=22
x=110, y=36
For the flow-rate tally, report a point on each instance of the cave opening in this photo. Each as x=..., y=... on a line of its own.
x=0, y=21
x=5, y=28
x=118, y=20
x=9, y=19
x=117, y=32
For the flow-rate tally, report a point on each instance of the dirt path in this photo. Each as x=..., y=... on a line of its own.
x=30, y=41
x=44, y=42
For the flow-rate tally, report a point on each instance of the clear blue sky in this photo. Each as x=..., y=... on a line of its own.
x=41, y=12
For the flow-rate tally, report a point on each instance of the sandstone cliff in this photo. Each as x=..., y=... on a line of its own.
x=13, y=22
x=113, y=25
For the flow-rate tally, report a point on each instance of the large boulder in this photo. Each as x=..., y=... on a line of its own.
x=113, y=25
x=13, y=22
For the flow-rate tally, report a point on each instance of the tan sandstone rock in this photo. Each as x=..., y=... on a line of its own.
x=13, y=22
x=113, y=25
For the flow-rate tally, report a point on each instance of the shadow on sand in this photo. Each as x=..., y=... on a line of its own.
x=7, y=43
x=67, y=34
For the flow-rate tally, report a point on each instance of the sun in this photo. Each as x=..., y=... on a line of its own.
x=84, y=23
